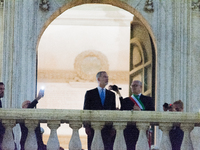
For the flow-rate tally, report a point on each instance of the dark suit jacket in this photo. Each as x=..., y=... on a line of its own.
x=131, y=133
x=176, y=137
x=93, y=100
x=127, y=104
x=2, y=129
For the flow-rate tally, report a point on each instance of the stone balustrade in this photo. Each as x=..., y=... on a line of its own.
x=55, y=117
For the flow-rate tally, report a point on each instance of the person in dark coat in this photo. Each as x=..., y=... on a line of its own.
x=2, y=129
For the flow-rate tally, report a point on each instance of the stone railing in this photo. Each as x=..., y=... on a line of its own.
x=55, y=117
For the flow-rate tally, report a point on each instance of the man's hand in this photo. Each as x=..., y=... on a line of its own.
x=136, y=108
x=109, y=87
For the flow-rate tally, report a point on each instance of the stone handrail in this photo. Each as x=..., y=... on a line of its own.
x=75, y=118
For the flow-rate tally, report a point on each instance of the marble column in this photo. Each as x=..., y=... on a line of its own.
x=187, y=142
x=119, y=143
x=97, y=142
x=142, y=142
x=53, y=142
x=8, y=141
x=75, y=142
x=19, y=51
x=1, y=39
x=31, y=141
x=165, y=143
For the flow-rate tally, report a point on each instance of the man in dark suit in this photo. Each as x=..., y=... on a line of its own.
x=100, y=99
x=2, y=129
x=176, y=134
x=136, y=102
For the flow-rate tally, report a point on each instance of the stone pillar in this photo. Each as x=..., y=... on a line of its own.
x=1, y=39
x=31, y=141
x=53, y=143
x=19, y=51
x=193, y=77
x=165, y=143
x=8, y=41
x=119, y=143
x=97, y=142
x=142, y=143
x=75, y=142
x=187, y=142
x=8, y=141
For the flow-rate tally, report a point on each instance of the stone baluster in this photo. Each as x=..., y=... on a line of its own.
x=31, y=141
x=8, y=141
x=97, y=142
x=119, y=139
x=75, y=142
x=53, y=143
x=165, y=141
x=142, y=143
x=187, y=143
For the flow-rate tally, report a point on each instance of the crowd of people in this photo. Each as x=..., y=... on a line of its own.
x=101, y=98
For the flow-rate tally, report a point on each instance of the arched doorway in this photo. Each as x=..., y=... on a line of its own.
x=141, y=64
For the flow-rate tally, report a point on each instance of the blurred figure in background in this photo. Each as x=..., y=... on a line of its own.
x=176, y=134
x=24, y=129
x=2, y=129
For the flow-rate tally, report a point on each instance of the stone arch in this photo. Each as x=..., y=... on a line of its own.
x=117, y=3
x=138, y=20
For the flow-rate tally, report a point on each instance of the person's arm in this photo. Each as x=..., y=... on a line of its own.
x=113, y=103
x=33, y=104
x=117, y=91
x=35, y=101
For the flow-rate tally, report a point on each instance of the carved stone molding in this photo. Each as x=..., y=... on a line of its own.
x=72, y=76
x=88, y=63
x=44, y=5
x=149, y=6
x=196, y=5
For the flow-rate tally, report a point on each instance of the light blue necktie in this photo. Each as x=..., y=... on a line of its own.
x=102, y=96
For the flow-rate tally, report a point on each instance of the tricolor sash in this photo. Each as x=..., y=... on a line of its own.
x=137, y=102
